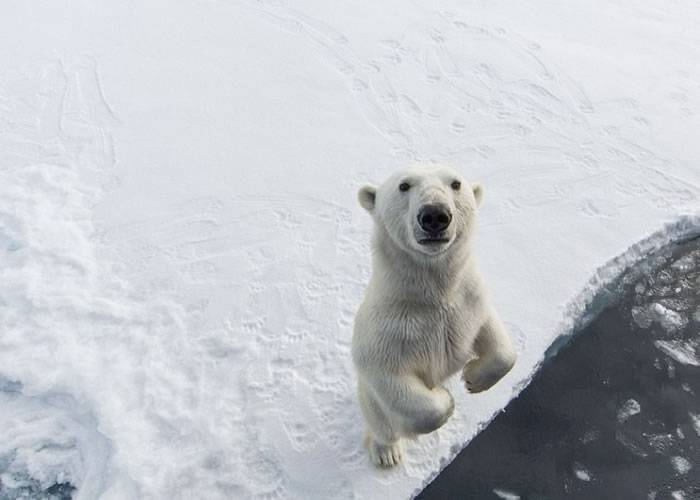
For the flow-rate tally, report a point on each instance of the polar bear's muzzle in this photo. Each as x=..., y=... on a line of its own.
x=434, y=219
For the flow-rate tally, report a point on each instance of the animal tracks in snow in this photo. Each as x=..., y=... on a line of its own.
x=281, y=321
x=486, y=92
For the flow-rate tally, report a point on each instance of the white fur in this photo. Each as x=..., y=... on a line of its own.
x=425, y=315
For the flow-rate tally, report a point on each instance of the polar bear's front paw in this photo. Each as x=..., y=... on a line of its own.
x=433, y=416
x=473, y=376
x=384, y=455
x=482, y=373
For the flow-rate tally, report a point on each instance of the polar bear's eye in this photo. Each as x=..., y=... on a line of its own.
x=404, y=186
x=456, y=185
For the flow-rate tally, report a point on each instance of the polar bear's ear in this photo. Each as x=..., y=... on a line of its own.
x=367, y=195
x=478, y=193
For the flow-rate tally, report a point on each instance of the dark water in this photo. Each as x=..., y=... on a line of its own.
x=614, y=415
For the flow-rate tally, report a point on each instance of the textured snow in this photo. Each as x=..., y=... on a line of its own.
x=49, y=440
x=181, y=254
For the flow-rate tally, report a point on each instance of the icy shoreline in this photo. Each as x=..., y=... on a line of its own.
x=613, y=414
x=603, y=288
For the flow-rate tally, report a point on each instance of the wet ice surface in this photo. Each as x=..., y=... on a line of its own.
x=615, y=414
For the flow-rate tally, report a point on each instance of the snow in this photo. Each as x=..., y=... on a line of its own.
x=71, y=449
x=182, y=253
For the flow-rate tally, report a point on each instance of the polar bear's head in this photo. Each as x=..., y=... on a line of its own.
x=424, y=210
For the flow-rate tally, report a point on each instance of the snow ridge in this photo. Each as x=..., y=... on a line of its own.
x=67, y=320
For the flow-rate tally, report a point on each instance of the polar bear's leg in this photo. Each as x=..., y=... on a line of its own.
x=382, y=439
x=496, y=357
x=396, y=406
x=411, y=404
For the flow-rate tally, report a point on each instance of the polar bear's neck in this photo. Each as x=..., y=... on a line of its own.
x=402, y=276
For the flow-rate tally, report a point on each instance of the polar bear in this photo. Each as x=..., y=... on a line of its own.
x=425, y=314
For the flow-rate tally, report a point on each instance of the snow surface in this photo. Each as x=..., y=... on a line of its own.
x=182, y=253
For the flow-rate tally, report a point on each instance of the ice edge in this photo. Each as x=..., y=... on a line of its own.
x=598, y=293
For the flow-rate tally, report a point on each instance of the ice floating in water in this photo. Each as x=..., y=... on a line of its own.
x=695, y=419
x=506, y=495
x=644, y=316
x=683, y=351
x=590, y=436
x=670, y=320
x=684, y=264
x=630, y=445
x=661, y=443
x=581, y=472
x=628, y=409
x=641, y=317
x=681, y=464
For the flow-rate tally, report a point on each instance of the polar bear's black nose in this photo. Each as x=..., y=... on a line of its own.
x=434, y=218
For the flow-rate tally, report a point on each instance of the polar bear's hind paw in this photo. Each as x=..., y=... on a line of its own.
x=385, y=455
